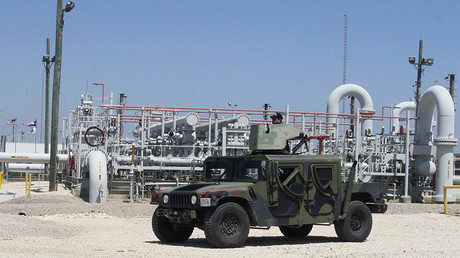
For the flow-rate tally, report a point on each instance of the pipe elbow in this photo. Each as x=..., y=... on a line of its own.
x=424, y=168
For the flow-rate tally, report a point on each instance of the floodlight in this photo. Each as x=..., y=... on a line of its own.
x=69, y=6
x=428, y=61
x=412, y=59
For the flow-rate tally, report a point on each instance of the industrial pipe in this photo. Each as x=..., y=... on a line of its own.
x=439, y=97
x=31, y=157
x=398, y=110
x=97, y=165
x=353, y=90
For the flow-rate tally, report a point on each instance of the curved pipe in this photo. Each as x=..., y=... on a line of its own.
x=396, y=112
x=353, y=90
x=439, y=97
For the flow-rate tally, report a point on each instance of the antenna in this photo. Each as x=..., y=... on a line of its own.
x=345, y=36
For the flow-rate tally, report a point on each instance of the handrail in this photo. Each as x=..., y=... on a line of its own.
x=445, y=187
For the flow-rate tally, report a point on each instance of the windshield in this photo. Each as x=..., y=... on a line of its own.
x=235, y=170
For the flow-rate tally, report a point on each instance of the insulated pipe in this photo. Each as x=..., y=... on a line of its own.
x=190, y=119
x=152, y=160
x=242, y=120
x=31, y=157
x=353, y=90
x=439, y=97
x=396, y=112
x=21, y=167
x=97, y=165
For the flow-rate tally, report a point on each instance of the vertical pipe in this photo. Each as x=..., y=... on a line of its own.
x=357, y=144
x=303, y=122
x=406, y=174
x=224, y=141
x=216, y=128
x=142, y=149
x=287, y=114
x=209, y=132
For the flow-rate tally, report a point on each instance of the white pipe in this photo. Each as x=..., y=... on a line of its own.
x=353, y=90
x=31, y=157
x=242, y=120
x=152, y=160
x=398, y=110
x=456, y=180
x=97, y=165
x=190, y=119
x=21, y=167
x=439, y=97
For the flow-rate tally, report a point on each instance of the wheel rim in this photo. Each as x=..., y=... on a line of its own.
x=229, y=226
x=356, y=222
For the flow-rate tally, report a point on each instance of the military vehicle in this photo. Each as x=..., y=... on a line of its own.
x=267, y=188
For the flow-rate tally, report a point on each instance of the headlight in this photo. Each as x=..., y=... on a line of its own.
x=193, y=199
x=165, y=199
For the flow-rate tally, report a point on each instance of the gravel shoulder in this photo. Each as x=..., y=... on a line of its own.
x=56, y=224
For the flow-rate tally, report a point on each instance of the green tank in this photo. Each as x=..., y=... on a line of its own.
x=262, y=190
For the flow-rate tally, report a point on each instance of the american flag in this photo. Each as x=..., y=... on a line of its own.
x=34, y=123
x=11, y=121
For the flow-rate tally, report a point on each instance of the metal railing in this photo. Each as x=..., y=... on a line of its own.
x=445, y=187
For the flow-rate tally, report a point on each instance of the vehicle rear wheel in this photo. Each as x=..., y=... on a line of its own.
x=357, y=225
x=168, y=232
x=226, y=226
x=296, y=232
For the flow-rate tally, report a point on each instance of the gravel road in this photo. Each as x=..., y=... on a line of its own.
x=56, y=224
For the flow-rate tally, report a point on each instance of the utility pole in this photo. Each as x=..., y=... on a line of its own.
x=419, y=65
x=47, y=62
x=452, y=85
x=56, y=90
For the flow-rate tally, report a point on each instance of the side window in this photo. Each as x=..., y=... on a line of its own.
x=324, y=178
x=251, y=170
x=292, y=179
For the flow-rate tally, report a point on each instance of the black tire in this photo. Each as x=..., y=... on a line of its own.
x=296, y=232
x=357, y=225
x=226, y=226
x=168, y=232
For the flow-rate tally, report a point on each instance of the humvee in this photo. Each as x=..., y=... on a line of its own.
x=263, y=189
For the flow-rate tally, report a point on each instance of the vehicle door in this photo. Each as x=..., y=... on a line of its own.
x=289, y=192
x=323, y=188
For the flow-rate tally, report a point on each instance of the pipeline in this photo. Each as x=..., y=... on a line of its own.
x=439, y=97
x=350, y=90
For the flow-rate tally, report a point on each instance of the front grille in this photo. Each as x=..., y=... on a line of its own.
x=178, y=199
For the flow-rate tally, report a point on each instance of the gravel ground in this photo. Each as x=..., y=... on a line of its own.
x=56, y=224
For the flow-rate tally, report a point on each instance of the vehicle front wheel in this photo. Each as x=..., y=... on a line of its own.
x=296, y=232
x=227, y=226
x=168, y=232
x=357, y=225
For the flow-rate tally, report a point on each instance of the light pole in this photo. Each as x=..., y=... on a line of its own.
x=419, y=65
x=47, y=62
x=56, y=90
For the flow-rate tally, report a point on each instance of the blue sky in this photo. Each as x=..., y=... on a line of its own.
x=208, y=53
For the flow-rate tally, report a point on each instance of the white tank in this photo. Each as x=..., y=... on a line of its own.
x=97, y=165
